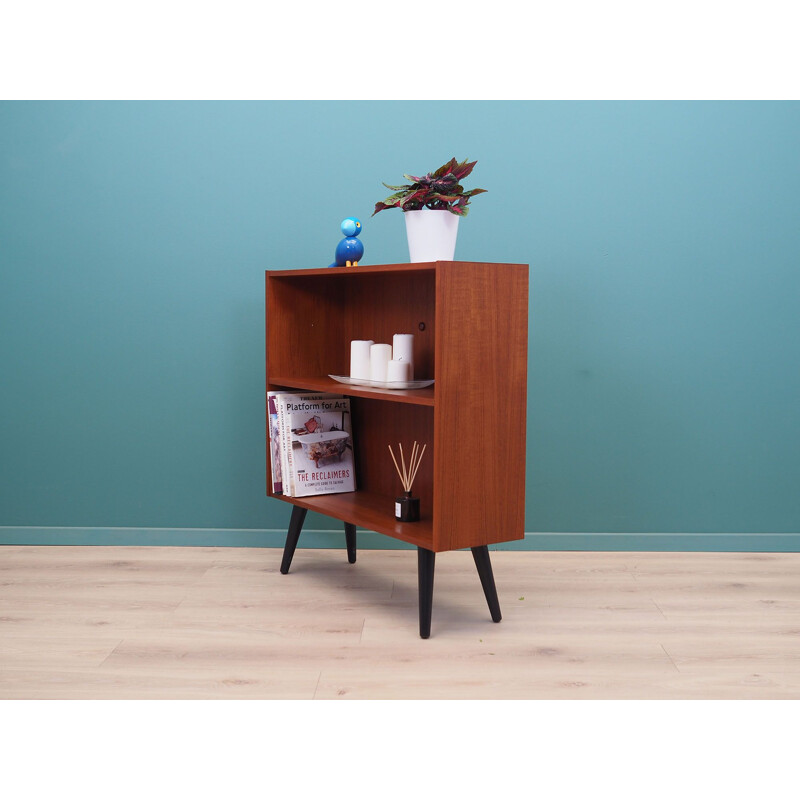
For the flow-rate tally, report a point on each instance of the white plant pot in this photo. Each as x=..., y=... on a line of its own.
x=431, y=234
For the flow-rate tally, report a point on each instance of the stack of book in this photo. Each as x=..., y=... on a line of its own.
x=311, y=445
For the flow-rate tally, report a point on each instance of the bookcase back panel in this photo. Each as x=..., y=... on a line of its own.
x=305, y=327
x=378, y=424
x=378, y=306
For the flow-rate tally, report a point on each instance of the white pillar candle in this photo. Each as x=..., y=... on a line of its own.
x=360, y=358
x=398, y=370
x=403, y=350
x=379, y=357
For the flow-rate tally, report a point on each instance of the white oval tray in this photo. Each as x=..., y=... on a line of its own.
x=381, y=384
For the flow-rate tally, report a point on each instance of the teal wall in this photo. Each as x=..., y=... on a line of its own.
x=664, y=244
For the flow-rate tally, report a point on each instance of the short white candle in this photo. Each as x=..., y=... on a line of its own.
x=379, y=357
x=398, y=370
x=360, y=358
x=403, y=350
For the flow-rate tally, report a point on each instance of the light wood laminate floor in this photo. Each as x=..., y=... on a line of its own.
x=199, y=622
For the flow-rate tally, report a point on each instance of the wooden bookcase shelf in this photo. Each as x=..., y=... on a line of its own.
x=322, y=383
x=469, y=321
x=368, y=510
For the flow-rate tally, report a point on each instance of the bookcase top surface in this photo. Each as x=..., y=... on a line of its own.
x=345, y=272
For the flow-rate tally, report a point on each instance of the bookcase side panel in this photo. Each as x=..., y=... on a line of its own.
x=480, y=403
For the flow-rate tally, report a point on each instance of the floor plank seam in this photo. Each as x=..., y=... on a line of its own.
x=677, y=669
x=319, y=677
x=658, y=607
x=116, y=647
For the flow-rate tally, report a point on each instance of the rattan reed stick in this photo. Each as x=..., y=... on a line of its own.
x=408, y=473
x=419, y=459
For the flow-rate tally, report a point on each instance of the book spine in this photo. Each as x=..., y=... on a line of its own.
x=286, y=445
x=287, y=437
x=273, y=433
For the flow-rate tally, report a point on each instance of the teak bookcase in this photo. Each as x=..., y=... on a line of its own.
x=470, y=323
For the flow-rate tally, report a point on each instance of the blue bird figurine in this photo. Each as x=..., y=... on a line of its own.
x=350, y=249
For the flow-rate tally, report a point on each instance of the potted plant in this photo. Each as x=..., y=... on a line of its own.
x=432, y=206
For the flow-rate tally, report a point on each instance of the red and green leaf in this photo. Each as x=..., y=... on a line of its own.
x=441, y=188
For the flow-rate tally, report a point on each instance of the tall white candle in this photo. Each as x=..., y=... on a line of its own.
x=379, y=357
x=403, y=350
x=398, y=370
x=360, y=358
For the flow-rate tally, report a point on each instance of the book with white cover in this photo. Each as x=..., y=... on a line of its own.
x=287, y=403
x=322, y=446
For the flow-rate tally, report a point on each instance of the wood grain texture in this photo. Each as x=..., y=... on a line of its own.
x=380, y=305
x=172, y=622
x=480, y=403
x=378, y=425
x=305, y=327
x=469, y=322
x=419, y=397
x=356, y=273
x=374, y=512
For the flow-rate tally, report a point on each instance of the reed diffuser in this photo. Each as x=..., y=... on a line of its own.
x=406, y=508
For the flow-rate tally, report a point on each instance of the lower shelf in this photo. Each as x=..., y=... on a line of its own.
x=371, y=511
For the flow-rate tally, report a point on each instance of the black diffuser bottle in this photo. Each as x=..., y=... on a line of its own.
x=406, y=507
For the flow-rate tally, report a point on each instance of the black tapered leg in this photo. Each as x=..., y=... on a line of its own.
x=484, y=565
x=350, y=538
x=426, y=560
x=295, y=526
